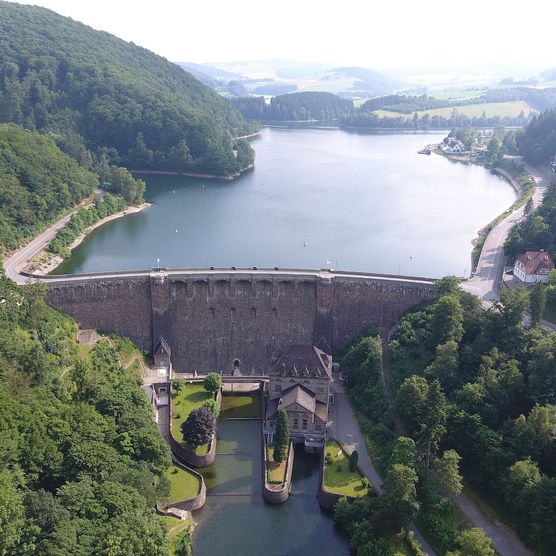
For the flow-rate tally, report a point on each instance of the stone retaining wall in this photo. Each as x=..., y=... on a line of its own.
x=188, y=505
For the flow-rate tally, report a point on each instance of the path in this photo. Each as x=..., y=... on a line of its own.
x=485, y=282
x=345, y=429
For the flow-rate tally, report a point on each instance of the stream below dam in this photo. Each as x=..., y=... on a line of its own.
x=235, y=519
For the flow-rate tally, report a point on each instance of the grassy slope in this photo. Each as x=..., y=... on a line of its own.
x=241, y=406
x=510, y=109
x=183, y=484
x=276, y=472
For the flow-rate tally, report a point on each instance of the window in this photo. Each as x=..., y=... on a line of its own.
x=295, y=423
x=320, y=390
x=318, y=427
x=277, y=388
x=304, y=425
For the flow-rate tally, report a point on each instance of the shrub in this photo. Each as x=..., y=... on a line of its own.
x=281, y=437
x=328, y=459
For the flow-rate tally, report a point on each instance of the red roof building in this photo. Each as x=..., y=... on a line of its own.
x=533, y=266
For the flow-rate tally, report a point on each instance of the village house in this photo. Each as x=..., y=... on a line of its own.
x=533, y=266
x=452, y=146
x=300, y=384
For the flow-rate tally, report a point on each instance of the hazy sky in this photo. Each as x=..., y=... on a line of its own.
x=377, y=34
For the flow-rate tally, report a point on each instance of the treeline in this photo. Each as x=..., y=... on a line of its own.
x=477, y=384
x=295, y=107
x=377, y=524
x=82, y=219
x=38, y=183
x=371, y=120
x=537, y=143
x=408, y=104
x=536, y=231
x=80, y=453
x=93, y=92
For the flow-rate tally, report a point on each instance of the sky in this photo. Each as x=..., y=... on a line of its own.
x=512, y=35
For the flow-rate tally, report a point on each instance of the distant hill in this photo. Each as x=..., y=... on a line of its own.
x=276, y=77
x=359, y=81
x=87, y=88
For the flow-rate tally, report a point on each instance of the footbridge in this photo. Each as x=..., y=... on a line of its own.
x=218, y=319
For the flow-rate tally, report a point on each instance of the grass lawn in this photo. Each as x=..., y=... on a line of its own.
x=276, y=472
x=337, y=476
x=241, y=405
x=190, y=397
x=183, y=484
x=550, y=311
x=174, y=526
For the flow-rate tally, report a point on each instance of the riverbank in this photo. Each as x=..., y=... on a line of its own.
x=43, y=262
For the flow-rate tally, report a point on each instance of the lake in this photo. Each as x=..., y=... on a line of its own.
x=316, y=198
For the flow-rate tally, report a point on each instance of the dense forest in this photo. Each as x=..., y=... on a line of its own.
x=537, y=143
x=91, y=91
x=371, y=120
x=79, y=449
x=295, y=107
x=472, y=393
x=38, y=183
x=537, y=231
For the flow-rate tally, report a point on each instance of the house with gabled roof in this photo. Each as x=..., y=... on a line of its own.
x=533, y=266
x=300, y=384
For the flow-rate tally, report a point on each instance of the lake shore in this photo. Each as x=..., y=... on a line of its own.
x=44, y=262
x=193, y=174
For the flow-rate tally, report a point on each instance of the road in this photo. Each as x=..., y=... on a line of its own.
x=344, y=428
x=485, y=282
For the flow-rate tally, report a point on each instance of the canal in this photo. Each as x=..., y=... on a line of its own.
x=236, y=521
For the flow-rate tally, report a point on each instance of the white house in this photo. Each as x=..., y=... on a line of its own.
x=533, y=267
x=452, y=146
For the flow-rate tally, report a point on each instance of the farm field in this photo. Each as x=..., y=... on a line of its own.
x=511, y=109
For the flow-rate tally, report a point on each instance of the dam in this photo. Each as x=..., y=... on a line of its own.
x=218, y=319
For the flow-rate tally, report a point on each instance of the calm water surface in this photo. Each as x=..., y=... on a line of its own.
x=235, y=519
x=316, y=198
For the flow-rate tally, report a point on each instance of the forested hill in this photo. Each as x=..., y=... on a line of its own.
x=80, y=454
x=295, y=107
x=537, y=144
x=89, y=88
x=38, y=183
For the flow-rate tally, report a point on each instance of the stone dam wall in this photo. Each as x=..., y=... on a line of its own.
x=212, y=319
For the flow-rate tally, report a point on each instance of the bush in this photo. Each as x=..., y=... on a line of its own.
x=353, y=460
x=281, y=437
x=328, y=459
x=212, y=406
x=212, y=382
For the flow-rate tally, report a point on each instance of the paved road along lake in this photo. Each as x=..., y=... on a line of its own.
x=316, y=198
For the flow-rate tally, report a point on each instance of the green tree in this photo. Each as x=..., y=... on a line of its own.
x=354, y=456
x=281, y=436
x=447, y=320
x=212, y=406
x=537, y=302
x=212, y=382
x=12, y=514
x=473, y=542
x=448, y=473
x=411, y=401
x=401, y=492
x=445, y=364
x=403, y=452
x=513, y=306
x=199, y=427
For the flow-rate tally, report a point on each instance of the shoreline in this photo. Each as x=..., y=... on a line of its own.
x=231, y=177
x=54, y=261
